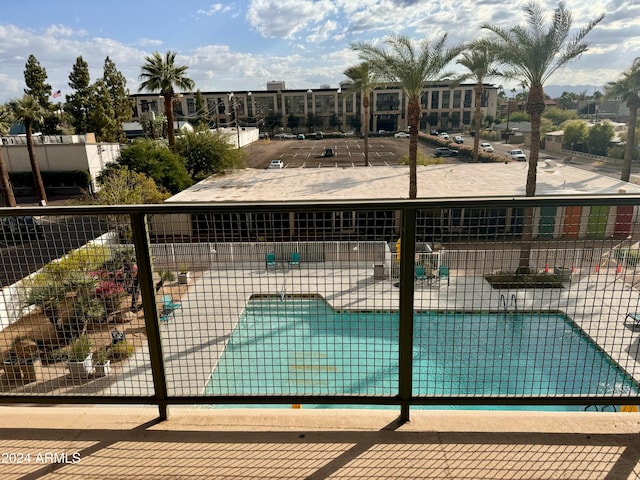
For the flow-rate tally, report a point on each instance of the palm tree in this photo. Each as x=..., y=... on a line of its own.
x=479, y=60
x=627, y=88
x=532, y=54
x=162, y=74
x=27, y=110
x=362, y=81
x=412, y=66
x=5, y=183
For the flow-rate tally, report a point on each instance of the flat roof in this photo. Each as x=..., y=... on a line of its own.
x=392, y=182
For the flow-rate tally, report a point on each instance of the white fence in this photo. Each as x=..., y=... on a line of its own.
x=203, y=256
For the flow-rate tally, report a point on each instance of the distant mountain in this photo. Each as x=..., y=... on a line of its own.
x=554, y=91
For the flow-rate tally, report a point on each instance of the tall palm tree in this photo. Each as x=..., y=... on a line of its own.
x=627, y=87
x=479, y=60
x=531, y=54
x=364, y=82
x=162, y=75
x=412, y=66
x=28, y=111
x=5, y=183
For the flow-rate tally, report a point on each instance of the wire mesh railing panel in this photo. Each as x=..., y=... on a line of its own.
x=516, y=303
x=70, y=326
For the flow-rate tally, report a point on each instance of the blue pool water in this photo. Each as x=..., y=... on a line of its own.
x=303, y=347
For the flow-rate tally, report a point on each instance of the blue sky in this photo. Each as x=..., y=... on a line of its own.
x=244, y=44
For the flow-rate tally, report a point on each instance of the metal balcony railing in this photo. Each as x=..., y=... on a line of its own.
x=388, y=303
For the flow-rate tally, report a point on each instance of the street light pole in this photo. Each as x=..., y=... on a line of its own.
x=233, y=99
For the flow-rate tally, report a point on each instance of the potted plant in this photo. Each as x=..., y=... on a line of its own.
x=80, y=360
x=183, y=275
x=102, y=363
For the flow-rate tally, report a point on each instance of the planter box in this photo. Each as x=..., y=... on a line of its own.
x=183, y=277
x=102, y=369
x=83, y=369
x=12, y=370
x=31, y=369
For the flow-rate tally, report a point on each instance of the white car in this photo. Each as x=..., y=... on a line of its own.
x=487, y=147
x=401, y=135
x=517, y=155
x=276, y=164
x=444, y=135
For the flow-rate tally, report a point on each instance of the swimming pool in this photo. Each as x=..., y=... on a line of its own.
x=303, y=347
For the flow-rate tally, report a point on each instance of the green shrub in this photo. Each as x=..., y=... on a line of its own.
x=121, y=350
x=80, y=348
x=631, y=256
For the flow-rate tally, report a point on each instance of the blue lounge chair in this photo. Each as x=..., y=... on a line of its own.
x=294, y=260
x=270, y=260
x=443, y=272
x=169, y=307
x=635, y=316
x=421, y=274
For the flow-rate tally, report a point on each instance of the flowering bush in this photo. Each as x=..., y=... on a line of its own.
x=108, y=289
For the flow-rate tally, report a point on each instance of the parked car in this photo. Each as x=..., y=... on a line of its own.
x=401, y=135
x=300, y=137
x=433, y=132
x=350, y=133
x=328, y=152
x=517, y=155
x=382, y=132
x=445, y=152
x=276, y=164
x=319, y=135
x=487, y=147
x=14, y=229
x=458, y=139
x=280, y=135
x=444, y=135
x=263, y=135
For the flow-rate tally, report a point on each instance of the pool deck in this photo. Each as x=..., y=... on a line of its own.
x=196, y=337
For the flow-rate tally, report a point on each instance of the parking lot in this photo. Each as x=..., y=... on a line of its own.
x=346, y=152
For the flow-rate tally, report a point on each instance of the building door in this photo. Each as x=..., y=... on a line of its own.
x=624, y=215
x=547, y=221
x=571, y=226
x=598, y=216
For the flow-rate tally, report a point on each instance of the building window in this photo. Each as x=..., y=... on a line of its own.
x=435, y=97
x=456, y=98
x=424, y=100
x=446, y=95
x=325, y=104
x=191, y=106
x=485, y=98
x=467, y=98
x=387, y=101
x=466, y=117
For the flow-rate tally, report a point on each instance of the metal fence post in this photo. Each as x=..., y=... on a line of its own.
x=147, y=290
x=405, y=335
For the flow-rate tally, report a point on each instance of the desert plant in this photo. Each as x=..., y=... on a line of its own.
x=48, y=298
x=121, y=350
x=80, y=349
x=101, y=356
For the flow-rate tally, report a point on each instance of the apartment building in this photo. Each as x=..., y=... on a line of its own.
x=443, y=105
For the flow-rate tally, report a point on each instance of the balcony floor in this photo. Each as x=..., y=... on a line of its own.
x=123, y=442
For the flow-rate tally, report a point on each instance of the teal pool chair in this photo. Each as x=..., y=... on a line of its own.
x=169, y=308
x=294, y=260
x=421, y=274
x=270, y=260
x=443, y=272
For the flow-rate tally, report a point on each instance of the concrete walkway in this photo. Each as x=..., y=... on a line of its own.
x=106, y=443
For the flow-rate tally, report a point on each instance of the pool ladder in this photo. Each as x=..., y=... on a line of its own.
x=513, y=302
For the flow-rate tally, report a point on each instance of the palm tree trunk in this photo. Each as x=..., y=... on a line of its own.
x=365, y=108
x=168, y=108
x=629, y=149
x=5, y=185
x=413, y=114
x=535, y=104
x=478, y=121
x=35, y=166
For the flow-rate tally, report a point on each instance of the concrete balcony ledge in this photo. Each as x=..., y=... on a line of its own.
x=123, y=442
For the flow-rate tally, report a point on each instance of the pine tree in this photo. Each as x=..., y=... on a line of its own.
x=78, y=104
x=35, y=77
x=116, y=85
